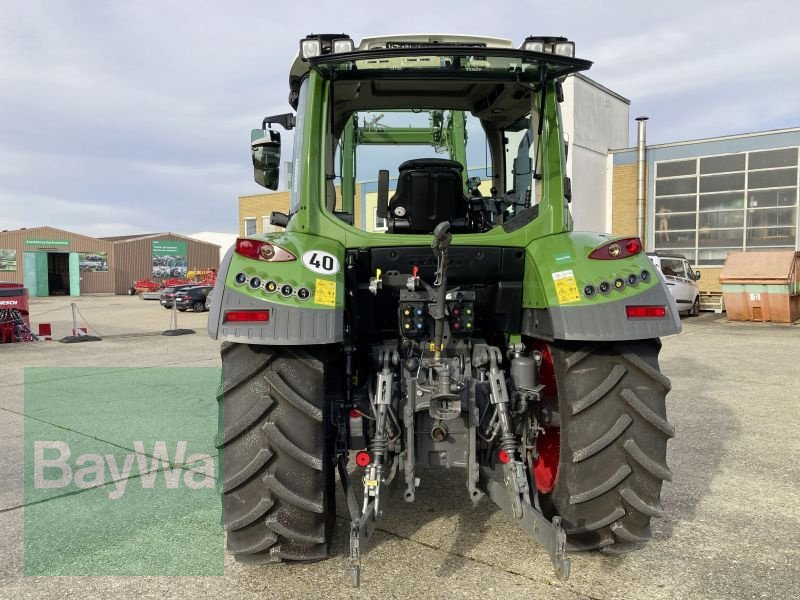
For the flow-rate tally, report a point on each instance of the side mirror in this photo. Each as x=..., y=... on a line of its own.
x=696, y=275
x=265, y=147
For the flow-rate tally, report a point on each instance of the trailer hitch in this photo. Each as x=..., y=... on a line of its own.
x=548, y=534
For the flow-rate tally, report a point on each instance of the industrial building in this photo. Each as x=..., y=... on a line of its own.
x=54, y=262
x=707, y=197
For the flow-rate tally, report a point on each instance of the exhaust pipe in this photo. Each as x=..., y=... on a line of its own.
x=641, y=181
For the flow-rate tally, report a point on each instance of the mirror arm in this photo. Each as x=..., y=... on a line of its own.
x=285, y=120
x=278, y=218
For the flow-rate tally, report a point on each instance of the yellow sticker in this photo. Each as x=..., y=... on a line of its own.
x=566, y=287
x=325, y=292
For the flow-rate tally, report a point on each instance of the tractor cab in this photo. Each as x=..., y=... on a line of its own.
x=480, y=102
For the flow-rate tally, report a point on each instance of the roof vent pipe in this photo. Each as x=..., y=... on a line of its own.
x=641, y=180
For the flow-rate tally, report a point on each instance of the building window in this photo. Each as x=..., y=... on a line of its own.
x=266, y=226
x=250, y=226
x=707, y=206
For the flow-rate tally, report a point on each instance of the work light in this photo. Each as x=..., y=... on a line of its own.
x=310, y=48
x=564, y=49
x=534, y=46
x=342, y=45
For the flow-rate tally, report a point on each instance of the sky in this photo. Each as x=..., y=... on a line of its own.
x=135, y=117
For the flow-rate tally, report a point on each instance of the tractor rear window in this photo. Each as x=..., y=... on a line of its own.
x=387, y=139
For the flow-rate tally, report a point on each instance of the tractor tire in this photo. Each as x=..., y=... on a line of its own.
x=613, y=443
x=277, y=458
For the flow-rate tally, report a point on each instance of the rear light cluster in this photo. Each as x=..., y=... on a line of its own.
x=623, y=248
x=646, y=312
x=259, y=250
x=270, y=286
x=246, y=316
x=618, y=284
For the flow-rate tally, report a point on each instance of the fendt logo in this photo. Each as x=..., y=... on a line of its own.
x=52, y=468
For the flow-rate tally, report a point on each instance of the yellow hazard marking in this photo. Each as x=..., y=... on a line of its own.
x=566, y=287
x=371, y=482
x=325, y=292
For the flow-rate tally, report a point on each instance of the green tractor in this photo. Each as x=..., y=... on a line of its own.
x=467, y=327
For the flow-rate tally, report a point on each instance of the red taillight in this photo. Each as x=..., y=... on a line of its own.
x=645, y=312
x=239, y=316
x=633, y=246
x=258, y=250
x=623, y=248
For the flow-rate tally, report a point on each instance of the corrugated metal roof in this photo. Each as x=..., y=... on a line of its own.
x=158, y=235
x=116, y=238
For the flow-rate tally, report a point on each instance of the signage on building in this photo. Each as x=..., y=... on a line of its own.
x=169, y=259
x=8, y=259
x=47, y=242
x=96, y=262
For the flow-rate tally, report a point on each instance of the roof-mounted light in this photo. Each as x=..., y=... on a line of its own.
x=309, y=48
x=564, y=49
x=342, y=45
x=533, y=46
x=550, y=45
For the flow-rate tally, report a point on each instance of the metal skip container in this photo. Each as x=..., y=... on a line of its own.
x=762, y=286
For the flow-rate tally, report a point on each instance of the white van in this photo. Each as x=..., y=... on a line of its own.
x=680, y=279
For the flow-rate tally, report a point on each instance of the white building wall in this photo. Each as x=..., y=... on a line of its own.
x=223, y=240
x=595, y=120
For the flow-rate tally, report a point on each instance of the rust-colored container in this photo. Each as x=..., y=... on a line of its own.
x=762, y=286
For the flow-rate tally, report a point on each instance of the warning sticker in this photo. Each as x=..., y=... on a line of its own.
x=325, y=293
x=566, y=287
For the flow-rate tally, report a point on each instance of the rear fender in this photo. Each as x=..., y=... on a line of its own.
x=558, y=275
x=304, y=297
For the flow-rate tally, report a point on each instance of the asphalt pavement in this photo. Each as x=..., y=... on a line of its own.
x=732, y=525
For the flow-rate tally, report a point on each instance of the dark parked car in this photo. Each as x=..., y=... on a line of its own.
x=168, y=293
x=193, y=297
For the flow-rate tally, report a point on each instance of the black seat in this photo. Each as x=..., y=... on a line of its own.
x=429, y=191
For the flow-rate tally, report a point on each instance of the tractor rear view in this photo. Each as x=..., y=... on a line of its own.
x=444, y=321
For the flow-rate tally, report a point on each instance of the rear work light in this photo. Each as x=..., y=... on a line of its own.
x=249, y=316
x=259, y=250
x=646, y=312
x=623, y=248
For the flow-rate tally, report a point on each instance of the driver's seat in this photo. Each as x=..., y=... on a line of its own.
x=429, y=191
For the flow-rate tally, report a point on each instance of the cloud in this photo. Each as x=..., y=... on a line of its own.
x=136, y=116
